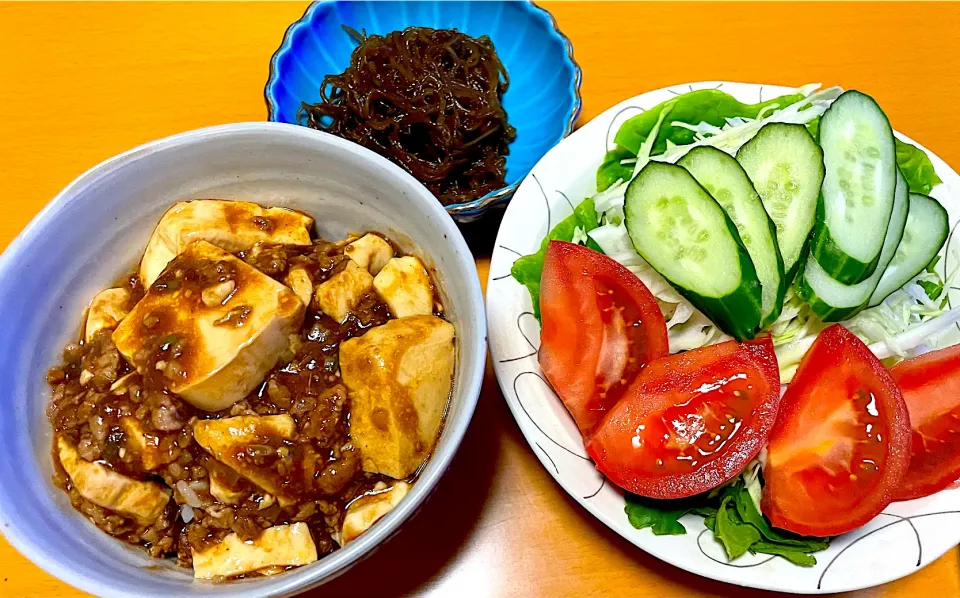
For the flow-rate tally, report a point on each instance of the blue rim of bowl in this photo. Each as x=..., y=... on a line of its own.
x=462, y=210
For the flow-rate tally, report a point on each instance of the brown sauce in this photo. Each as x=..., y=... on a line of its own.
x=316, y=472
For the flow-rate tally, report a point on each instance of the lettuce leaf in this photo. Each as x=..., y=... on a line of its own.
x=791, y=554
x=661, y=519
x=612, y=170
x=736, y=536
x=710, y=106
x=527, y=269
x=916, y=168
x=663, y=516
x=706, y=105
x=747, y=510
x=731, y=513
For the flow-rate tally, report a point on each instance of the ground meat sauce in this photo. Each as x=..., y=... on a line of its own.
x=318, y=470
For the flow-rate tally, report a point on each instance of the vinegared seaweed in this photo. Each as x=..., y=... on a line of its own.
x=428, y=100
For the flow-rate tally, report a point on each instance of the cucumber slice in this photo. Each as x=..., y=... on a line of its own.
x=923, y=238
x=680, y=230
x=723, y=177
x=786, y=167
x=834, y=301
x=856, y=199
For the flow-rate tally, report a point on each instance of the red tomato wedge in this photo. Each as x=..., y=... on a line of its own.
x=930, y=385
x=841, y=443
x=600, y=325
x=691, y=421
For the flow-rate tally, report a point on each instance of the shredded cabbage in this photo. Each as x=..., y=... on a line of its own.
x=609, y=203
x=751, y=478
x=579, y=236
x=738, y=131
x=796, y=320
x=687, y=328
x=697, y=331
x=906, y=323
x=643, y=156
x=616, y=244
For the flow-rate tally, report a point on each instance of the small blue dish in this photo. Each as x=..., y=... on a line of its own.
x=542, y=101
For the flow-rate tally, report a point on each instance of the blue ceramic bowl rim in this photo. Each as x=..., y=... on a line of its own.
x=477, y=206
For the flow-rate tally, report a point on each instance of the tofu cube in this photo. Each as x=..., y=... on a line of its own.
x=211, y=352
x=106, y=311
x=299, y=280
x=230, y=225
x=223, y=493
x=141, y=501
x=144, y=444
x=405, y=286
x=367, y=510
x=399, y=377
x=342, y=292
x=277, y=546
x=371, y=252
x=229, y=439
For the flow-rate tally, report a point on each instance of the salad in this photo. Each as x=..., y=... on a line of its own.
x=743, y=321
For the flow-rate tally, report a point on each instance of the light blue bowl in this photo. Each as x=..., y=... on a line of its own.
x=542, y=102
x=96, y=229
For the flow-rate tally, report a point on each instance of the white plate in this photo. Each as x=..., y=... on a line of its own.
x=905, y=537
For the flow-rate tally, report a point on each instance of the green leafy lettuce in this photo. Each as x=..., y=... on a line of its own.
x=527, y=269
x=663, y=516
x=916, y=168
x=933, y=288
x=711, y=106
x=707, y=105
x=732, y=515
x=612, y=170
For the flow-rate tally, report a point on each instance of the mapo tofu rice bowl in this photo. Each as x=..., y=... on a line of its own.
x=251, y=411
x=259, y=390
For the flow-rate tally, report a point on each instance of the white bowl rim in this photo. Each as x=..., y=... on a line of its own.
x=338, y=562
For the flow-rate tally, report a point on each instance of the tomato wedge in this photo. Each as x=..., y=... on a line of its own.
x=600, y=325
x=691, y=421
x=930, y=385
x=841, y=443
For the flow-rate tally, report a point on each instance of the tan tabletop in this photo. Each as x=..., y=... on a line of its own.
x=82, y=82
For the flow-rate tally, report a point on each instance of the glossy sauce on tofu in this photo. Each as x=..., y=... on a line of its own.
x=220, y=387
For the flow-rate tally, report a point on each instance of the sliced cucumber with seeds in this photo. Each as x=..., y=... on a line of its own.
x=923, y=238
x=856, y=199
x=785, y=165
x=834, y=301
x=723, y=177
x=682, y=232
